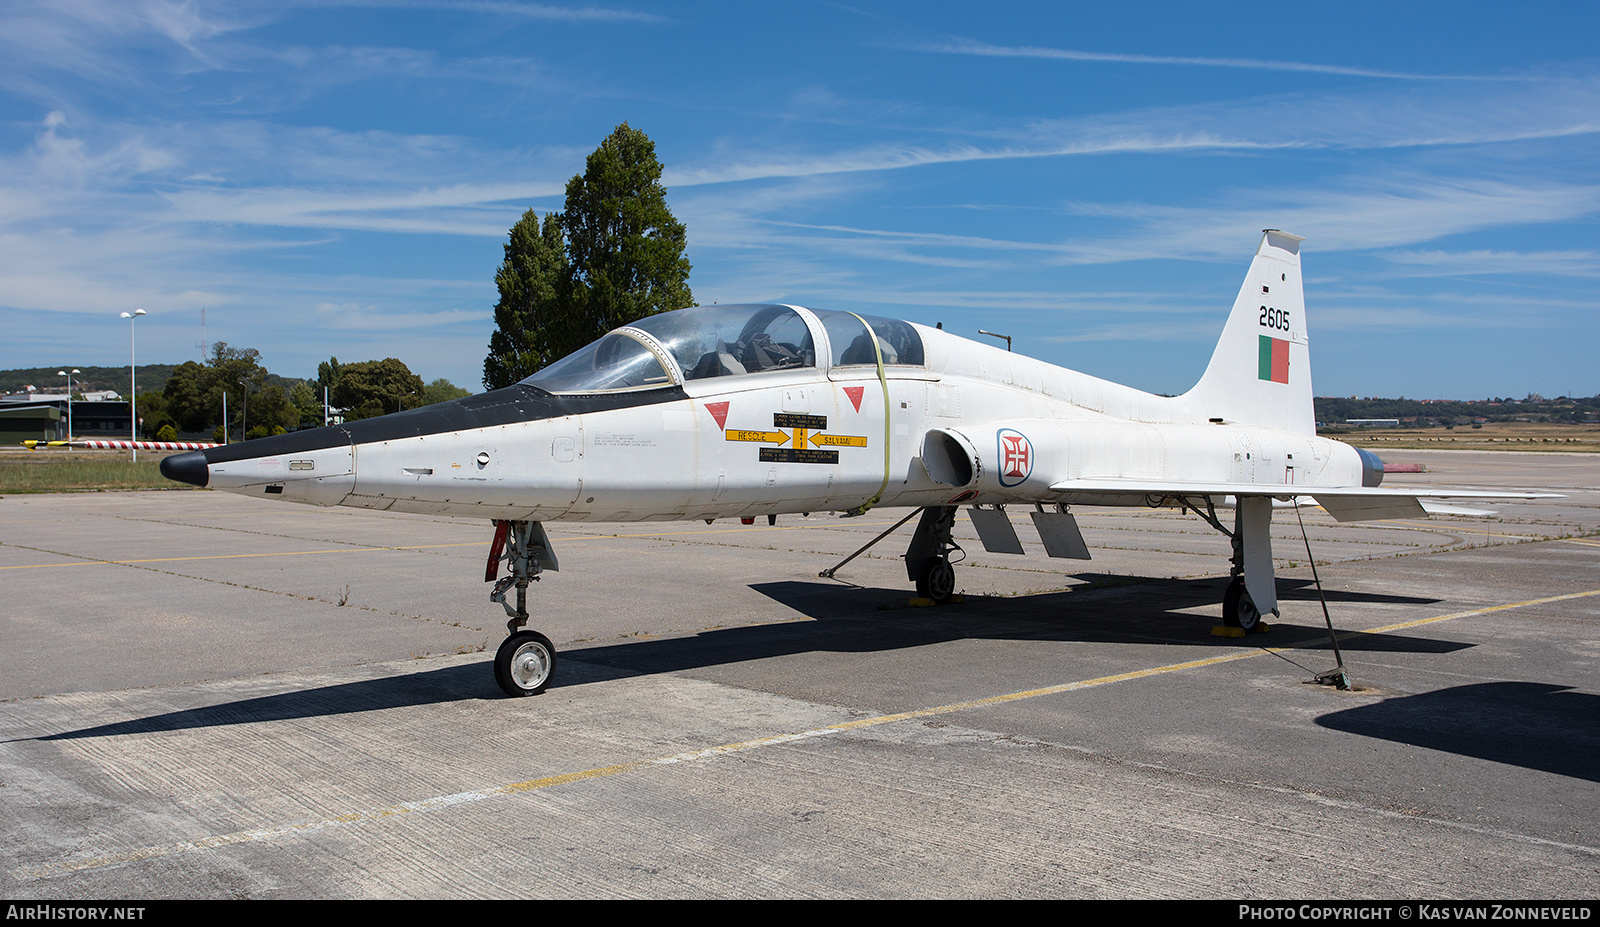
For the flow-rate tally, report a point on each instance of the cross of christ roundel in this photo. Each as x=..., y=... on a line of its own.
x=1016, y=456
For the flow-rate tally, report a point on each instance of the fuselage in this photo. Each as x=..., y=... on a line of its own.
x=781, y=417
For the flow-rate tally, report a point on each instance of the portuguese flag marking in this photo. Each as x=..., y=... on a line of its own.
x=1274, y=363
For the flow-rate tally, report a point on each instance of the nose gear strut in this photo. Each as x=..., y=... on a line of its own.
x=526, y=660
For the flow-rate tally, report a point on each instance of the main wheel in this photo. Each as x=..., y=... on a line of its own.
x=1238, y=609
x=525, y=663
x=936, y=579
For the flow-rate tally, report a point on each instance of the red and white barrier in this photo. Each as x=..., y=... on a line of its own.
x=126, y=445
x=145, y=445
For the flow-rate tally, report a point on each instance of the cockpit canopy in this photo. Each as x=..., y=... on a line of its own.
x=720, y=341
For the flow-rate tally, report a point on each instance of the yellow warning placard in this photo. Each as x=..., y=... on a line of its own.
x=805, y=432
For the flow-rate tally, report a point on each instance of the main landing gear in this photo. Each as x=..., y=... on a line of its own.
x=1251, y=561
x=928, y=555
x=1253, y=591
x=526, y=661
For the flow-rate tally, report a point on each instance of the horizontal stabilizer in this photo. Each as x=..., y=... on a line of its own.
x=1370, y=508
x=1344, y=503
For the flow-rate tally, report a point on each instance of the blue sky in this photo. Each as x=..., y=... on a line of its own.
x=337, y=179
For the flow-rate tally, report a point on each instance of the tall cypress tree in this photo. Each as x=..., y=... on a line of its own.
x=614, y=255
x=624, y=245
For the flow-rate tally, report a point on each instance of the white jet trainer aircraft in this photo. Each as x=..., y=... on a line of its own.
x=743, y=411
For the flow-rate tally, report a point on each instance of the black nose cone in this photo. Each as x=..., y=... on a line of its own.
x=186, y=468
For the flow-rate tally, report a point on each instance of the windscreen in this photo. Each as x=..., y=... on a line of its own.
x=617, y=361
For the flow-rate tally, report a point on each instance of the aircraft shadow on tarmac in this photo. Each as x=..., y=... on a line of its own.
x=449, y=684
x=846, y=619
x=1532, y=725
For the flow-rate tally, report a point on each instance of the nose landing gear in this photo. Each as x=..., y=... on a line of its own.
x=526, y=660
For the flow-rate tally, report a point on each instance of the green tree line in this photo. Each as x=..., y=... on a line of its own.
x=259, y=403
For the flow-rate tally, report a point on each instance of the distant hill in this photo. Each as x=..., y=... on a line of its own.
x=151, y=377
x=1335, y=410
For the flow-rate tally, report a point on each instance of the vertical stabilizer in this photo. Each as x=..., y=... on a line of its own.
x=1260, y=373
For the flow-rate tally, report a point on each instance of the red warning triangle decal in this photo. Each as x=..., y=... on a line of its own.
x=854, y=392
x=719, y=411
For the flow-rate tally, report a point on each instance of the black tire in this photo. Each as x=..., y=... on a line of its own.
x=936, y=579
x=525, y=664
x=1238, y=609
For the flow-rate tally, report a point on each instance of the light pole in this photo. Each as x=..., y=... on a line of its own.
x=133, y=385
x=63, y=373
x=244, y=415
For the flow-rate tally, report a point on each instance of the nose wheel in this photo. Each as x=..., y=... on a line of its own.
x=525, y=663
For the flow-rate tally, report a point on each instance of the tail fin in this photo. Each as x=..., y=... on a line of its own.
x=1260, y=373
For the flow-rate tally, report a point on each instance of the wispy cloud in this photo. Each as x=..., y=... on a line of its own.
x=321, y=65
x=1400, y=312
x=1392, y=211
x=1485, y=261
x=93, y=38
x=510, y=8
x=1191, y=331
x=1369, y=120
x=894, y=157
x=474, y=210
x=367, y=317
x=984, y=49
x=112, y=45
x=251, y=173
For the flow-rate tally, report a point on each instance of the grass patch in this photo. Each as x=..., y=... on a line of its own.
x=51, y=471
